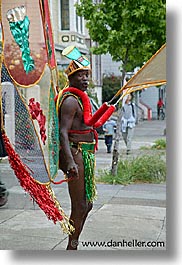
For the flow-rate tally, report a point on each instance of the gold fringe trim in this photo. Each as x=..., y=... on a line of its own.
x=65, y=224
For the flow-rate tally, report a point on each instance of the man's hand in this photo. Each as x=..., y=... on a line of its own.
x=72, y=171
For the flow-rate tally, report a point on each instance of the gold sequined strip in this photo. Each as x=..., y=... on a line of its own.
x=65, y=224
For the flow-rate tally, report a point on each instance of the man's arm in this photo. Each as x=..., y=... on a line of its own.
x=68, y=110
x=104, y=128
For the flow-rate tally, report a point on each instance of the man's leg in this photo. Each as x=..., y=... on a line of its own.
x=129, y=139
x=89, y=208
x=106, y=141
x=3, y=194
x=79, y=205
x=109, y=144
x=124, y=134
x=158, y=113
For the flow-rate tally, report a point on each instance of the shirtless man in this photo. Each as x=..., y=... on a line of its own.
x=71, y=160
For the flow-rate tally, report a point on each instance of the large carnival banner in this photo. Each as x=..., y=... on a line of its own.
x=29, y=122
x=29, y=84
x=152, y=73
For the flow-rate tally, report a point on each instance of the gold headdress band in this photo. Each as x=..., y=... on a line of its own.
x=74, y=66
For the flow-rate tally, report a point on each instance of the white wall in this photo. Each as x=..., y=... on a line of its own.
x=109, y=66
x=150, y=97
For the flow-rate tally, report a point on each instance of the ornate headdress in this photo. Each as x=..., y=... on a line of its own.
x=79, y=61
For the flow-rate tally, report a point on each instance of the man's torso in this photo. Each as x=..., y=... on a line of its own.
x=79, y=131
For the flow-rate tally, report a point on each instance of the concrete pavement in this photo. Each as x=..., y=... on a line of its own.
x=129, y=217
x=146, y=133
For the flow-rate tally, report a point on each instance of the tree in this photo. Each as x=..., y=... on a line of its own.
x=110, y=86
x=131, y=31
x=62, y=79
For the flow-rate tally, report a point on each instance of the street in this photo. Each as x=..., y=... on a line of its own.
x=122, y=217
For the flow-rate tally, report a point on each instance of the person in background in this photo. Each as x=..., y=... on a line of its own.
x=160, y=105
x=3, y=191
x=128, y=122
x=109, y=130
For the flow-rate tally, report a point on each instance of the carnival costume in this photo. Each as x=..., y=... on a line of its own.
x=88, y=153
x=87, y=149
x=80, y=62
x=27, y=63
x=24, y=59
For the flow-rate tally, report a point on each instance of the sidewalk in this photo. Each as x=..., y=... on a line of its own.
x=127, y=214
x=146, y=133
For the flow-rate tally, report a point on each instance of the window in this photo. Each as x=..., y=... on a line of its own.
x=65, y=22
x=81, y=25
x=79, y=22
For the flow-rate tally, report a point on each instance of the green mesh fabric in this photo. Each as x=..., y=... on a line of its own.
x=53, y=136
x=20, y=130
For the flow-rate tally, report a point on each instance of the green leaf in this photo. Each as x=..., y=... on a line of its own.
x=136, y=26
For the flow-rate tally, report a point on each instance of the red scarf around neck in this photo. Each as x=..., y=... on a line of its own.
x=99, y=117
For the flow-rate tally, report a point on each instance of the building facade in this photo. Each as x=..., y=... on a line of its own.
x=69, y=29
